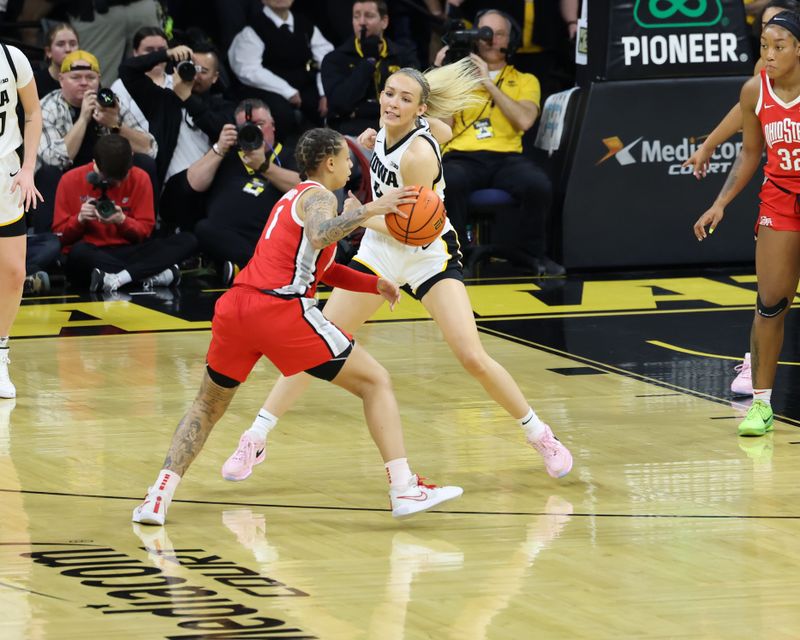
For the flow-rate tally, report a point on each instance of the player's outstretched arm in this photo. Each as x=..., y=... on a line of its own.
x=745, y=165
x=727, y=127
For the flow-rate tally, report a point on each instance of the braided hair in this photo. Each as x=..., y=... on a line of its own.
x=314, y=146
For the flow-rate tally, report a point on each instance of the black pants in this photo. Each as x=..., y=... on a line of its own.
x=180, y=206
x=140, y=260
x=465, y=172
x=42, y=251
x=223, y=243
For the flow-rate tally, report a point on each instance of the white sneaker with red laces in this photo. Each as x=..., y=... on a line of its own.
x=153, y=509
x=419, y=496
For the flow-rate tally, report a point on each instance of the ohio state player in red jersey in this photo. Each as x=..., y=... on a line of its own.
x=770, y=104
x=271, y=311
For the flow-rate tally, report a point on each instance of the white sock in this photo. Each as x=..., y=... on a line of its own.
x=166, y=483
x=4, y=342
x=262, y=425
x=124, y=278
x=531, y=425
x=398, y=472
x=763, y=394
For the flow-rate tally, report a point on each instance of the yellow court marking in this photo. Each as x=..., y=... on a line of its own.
x=692, y=352
x=50, y=319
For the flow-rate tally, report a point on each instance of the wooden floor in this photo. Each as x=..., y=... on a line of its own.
x=669, y=526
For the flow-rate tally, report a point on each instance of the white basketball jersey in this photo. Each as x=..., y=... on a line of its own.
x=10, y=136
x=385, y=164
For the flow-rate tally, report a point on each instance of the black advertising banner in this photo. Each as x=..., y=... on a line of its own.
x=629, y=202
x=677, y=38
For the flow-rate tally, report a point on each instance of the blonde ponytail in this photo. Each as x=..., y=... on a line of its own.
x=448, y=89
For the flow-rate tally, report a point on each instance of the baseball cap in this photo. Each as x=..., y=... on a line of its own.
x=80, y=60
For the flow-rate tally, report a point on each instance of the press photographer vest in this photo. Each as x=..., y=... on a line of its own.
x=287, y=53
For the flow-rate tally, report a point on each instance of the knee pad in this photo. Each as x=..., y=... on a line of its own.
x=770, y=312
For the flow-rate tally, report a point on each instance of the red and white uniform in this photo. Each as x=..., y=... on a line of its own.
x=780, y=122
x=271, y=309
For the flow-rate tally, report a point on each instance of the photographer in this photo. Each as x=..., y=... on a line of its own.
x=73, y=120
x=104, y=216
x=486, y=148
x=243, y=176
x=185, y=118
x=353, y=74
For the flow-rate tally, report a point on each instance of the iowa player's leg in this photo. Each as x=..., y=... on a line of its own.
x=449, y=306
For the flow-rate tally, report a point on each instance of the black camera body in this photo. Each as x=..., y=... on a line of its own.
x=186, y=70
x=105, y=206
x=106, y=98
x=461, y=42
x=249, y=136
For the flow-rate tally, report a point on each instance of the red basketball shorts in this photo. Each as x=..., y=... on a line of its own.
x=779, y=210
x=292, y=333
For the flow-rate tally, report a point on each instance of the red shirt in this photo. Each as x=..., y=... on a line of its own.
x=780, y=123
x=284, y=260
x=134, y=196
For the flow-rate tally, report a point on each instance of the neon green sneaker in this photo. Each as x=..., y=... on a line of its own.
x=758, y=420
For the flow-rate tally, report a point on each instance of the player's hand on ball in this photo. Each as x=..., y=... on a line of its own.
x=390, y=201
x=710, y=219
x=389, y=291
x=367, y=138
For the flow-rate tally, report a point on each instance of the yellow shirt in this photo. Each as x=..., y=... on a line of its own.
x=485, y=128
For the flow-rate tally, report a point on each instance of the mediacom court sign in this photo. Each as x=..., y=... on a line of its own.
x=677, y=38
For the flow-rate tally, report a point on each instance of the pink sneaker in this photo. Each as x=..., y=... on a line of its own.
x=557, y=458
x=742, y=384
x=249, y=453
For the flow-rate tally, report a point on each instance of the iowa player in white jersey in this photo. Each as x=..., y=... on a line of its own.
x=407, y=154
x=17, y=191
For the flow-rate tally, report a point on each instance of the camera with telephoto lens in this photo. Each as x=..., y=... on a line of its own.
x=250, y=136
x=461, y=42
x=105, y=206
x=106, y=98
x=186, y=70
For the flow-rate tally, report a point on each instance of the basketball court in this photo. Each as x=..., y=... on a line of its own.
x=669, y=526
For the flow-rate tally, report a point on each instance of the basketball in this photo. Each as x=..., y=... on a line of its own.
x=426, y=218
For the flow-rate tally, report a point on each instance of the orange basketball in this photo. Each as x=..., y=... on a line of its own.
x=426, y=218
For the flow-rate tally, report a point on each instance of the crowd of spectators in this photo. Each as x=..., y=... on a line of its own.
x=185, y=120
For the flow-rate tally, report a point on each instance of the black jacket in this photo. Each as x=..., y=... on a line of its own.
x=353, y=83
x=163, y=109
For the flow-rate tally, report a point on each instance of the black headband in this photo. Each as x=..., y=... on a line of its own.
x=788, y=20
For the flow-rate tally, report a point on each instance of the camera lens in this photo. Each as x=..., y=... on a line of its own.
x=186, y=70
x=106, y=97
x=105, y=207
x=250, y=137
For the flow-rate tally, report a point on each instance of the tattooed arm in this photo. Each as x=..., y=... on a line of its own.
x=745, y=165
x=317, y=209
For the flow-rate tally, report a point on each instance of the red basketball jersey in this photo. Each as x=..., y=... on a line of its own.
x=780, y=122
x=284, y=260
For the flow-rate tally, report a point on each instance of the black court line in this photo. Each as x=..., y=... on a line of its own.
x=612, y=369
x=263, y=505
x=37, y=593
x=655, y=395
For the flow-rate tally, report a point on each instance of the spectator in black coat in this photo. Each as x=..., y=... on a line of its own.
x=353, y=74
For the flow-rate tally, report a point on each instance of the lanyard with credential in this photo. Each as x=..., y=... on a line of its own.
x=273, y=158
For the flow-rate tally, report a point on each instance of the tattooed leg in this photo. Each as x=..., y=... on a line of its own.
x=208, y=407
